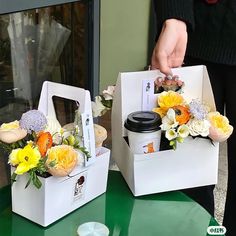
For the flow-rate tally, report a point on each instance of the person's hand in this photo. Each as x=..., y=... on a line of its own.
x=171, y=46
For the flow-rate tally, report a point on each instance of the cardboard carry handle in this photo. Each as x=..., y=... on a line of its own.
x=82, y=96
x=130, y=85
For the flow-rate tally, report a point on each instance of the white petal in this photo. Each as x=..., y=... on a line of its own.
x=183, y=131
x=171, y=134
x=171, y=114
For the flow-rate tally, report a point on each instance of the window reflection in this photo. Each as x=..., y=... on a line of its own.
x=43, y=44
x=38, y=45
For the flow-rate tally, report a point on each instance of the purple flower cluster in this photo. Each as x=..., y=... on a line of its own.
x=33, y=120
x=197, y=109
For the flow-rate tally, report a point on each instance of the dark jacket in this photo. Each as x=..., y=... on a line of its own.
x=211, y=27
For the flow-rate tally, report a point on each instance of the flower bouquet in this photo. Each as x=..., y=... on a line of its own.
x=181, y=119
x=39, y=146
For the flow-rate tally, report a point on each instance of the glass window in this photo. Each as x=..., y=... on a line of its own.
x=52, y=43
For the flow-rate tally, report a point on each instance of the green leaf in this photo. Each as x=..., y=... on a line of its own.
x=36, y=181
x=83, y=150
x=29, y=180
x=13, y=178
x=52, y=163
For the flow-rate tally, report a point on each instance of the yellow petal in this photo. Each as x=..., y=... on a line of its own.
x=170, y=99
x=65, y=158
x=22, y=168
x=13, y=157
x=10, y=125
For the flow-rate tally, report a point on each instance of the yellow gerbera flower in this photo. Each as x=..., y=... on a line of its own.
x=13, y=157
x=167, y=100
x=25, y=159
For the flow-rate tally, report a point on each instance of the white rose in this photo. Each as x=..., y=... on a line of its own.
x=199, y=127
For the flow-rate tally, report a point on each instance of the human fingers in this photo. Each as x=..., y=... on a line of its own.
x=175, y=62
x=160, y=58
x=164, y=65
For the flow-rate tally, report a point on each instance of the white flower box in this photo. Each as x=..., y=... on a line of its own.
x=193, y=164
x=59, y=196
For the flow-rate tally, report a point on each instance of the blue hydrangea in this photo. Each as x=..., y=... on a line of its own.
x=197, y=109
x=33, y=120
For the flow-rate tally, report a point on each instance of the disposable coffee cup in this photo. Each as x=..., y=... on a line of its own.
x=144, y=132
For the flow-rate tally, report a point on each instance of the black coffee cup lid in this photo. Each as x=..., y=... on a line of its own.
x=143, y=121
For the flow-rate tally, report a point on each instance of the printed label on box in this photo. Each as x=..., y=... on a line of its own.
x=148, y=96
x=88, y=133
x=79, y=186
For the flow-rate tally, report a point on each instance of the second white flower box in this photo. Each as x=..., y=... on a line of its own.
x=194, y=163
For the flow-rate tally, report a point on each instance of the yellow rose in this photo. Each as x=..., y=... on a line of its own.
x=220, y=129
x=62, y=159
x=11, y=132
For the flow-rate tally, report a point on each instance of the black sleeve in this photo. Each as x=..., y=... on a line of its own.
x=177, y=9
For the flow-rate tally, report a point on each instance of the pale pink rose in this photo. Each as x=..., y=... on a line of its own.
x=108, y=93
x=220, y=129
x=11, y=132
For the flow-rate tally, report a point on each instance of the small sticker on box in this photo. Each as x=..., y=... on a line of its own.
x=79, y=186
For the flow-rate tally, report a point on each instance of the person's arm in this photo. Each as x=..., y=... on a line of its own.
x=174, y=16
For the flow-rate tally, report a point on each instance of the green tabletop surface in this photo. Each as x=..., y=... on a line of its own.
x=164, y=214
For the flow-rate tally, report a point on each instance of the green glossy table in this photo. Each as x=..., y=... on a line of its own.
x=165, y=214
